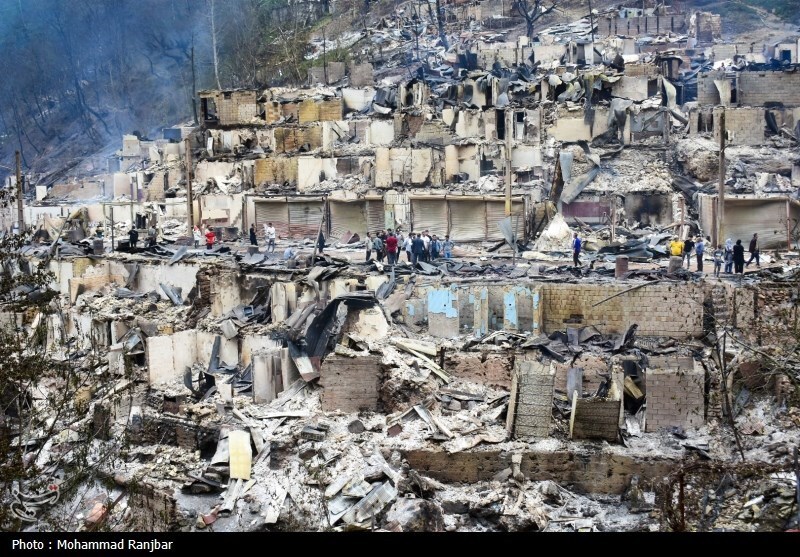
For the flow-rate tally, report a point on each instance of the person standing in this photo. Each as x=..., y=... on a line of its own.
x=198, y=236
x=699, y=249
x=576, y=249
x=407, y=246
x=754, y=251
x=210, y=238
x=269, y=237
x=435, y=247
x=738, y=257
x=719, y=254
x=377, y=246
x=676, y=255
x=369, y=246
x=151, y=236
x=391, y=248
x=448, y=247
x=728, y=256
x=417, y=248
x=253, y=239
x=426, y=242
x=688, y=251
x=133, y=238
x=321, y=241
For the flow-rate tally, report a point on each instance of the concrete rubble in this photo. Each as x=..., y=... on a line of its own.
x=500, y=389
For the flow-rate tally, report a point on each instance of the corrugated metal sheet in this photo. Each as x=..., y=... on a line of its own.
x=767, y=217
x=276, y=212
x=304, y=219
x=430, y=215
x=347, y=217
x=496, y=211
x=467, y=220
x=376, y=216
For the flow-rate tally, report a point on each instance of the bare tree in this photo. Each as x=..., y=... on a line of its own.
x=533, y=11
x=212, y=4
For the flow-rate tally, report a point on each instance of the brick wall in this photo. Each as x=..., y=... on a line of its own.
x=587, y=471
x=594, y=418
x=239, y=108
x=707, y=93
x=758, y=88
x=633, y=26
x=531, y=405
x=675, y=393
x=658, y=309
x=746, y=124
x=350, y=384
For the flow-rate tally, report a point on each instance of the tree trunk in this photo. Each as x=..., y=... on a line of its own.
x=214, y=43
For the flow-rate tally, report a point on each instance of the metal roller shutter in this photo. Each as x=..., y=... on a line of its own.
x=467, y=220
x=347, y=217
x=496, y=211
x=376, y=217
x=276, y=212
x=304, y=219
x=430, y=215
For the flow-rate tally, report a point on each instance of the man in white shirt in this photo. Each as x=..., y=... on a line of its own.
x=407, y=247
x=269, y=236
x=426, y=239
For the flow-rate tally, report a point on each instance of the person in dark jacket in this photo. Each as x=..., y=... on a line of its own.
x=417, y=249
x=754, y=251
x=688, y=251
x=133, y=238
x=321, y=241
x=738, y=257
x=253, y=239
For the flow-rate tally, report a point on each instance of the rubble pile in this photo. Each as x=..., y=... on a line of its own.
x=238, y=348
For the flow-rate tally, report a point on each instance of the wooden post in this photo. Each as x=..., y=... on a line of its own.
x=721, y=194
x=20, y=193
x=189, y=201
x=509, y=135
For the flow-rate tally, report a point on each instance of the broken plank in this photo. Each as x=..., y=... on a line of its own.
x=430, y=364
x=418, y=346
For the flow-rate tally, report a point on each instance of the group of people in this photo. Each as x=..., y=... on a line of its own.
x=731, y=255
x=205, y=233
x=388, y=245
x=133, y=237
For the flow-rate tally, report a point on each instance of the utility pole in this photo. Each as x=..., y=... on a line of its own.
x=591, y=24
x=509, y=143
x=721, y=193
x=194, y=85
x=20, y=212
x=189, y=203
